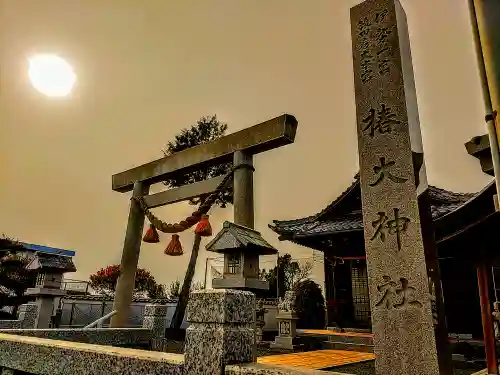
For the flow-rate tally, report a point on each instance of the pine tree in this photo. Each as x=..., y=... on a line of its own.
x=15, y=278
x=207, y=129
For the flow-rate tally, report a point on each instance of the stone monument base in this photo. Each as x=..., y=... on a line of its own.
x=287, y=343
x=286, y=338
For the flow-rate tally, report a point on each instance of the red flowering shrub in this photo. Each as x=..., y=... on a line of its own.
x=104, y=282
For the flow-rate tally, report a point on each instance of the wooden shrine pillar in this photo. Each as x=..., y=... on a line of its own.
x=483, y=278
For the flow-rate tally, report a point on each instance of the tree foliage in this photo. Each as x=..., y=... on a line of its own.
x=174, y=288
x=104, y=282
x=207, y=129
x=287, y=273
x=310, y=305
x=15, y=278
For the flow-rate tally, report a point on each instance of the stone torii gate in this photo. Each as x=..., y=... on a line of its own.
x=237, y=147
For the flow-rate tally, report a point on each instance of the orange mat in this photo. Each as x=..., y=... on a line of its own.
x=316, y=360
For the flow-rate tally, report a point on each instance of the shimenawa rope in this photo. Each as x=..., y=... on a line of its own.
x=190, y=220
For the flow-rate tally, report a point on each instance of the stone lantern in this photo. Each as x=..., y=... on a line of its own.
x=241, y=247
x=50, y=269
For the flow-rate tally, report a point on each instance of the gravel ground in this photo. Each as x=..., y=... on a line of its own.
x=265, y=350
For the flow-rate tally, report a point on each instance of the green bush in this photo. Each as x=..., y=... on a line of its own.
x=310, y=305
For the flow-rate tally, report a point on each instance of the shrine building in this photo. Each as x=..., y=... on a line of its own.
x=467, y=234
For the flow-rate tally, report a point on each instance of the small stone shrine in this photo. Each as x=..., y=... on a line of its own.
x=50, y=270
x=287, y=321
x=241, y=247
x=260, y=322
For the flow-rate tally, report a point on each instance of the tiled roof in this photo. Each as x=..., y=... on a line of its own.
x=50, y=261
x=233, y=236
x=442, y=203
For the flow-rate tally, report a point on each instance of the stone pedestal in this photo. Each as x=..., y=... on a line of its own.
x=45, y=304
x=286, y=339
x=155, y=319
x=221, y=330
x=27, y=315
x=45, y=309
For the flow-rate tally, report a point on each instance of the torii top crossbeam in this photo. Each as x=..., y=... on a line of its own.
x=266, y=136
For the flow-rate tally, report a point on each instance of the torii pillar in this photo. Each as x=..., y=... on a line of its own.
x=238, y=147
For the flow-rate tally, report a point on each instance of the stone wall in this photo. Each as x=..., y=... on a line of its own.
x=33, y=355
x=77, y=312
x=47, y=357
x=136, y=337
x=26, y=319
x=10, y=324
x=81, y=311
x=220, y=340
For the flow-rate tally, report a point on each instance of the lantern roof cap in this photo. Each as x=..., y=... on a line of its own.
x=234, y=238
x=51, y=262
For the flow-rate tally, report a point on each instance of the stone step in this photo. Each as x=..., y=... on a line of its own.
x=349, y=346
x=362, y=340
x=347, y=330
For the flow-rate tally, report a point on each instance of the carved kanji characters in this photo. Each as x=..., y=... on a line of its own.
x=381, y=121
x=389, y=289
x=383, y=171
x=385, y=226
x=397, y=298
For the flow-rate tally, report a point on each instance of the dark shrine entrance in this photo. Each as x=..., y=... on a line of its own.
x=348, y=302
x=461, y=296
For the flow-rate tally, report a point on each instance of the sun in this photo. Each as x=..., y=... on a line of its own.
x=51, y=75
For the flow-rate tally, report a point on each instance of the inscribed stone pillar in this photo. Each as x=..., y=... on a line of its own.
x=221, y=330
x=392, y=175
x=155, y=319
x=28, y=315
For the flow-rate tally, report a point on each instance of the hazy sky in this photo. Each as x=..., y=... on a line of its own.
x=146, y=69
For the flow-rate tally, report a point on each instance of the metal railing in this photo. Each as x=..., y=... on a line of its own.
x=98, y=323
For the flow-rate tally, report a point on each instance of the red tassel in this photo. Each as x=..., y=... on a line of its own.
x=204, y=228
x=174, y=248
x=151, y=235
